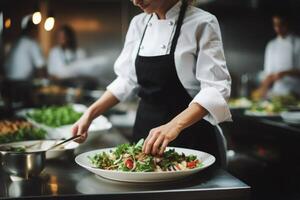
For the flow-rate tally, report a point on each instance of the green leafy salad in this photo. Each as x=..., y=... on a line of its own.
x=130, y=158
x=55, y=116
x=267, y=107
x=275, y=104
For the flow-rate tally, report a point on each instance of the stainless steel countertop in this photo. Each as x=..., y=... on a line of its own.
x=64, y=179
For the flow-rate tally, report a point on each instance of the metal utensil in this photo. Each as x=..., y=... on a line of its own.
x=26, y=164
x=63, y=142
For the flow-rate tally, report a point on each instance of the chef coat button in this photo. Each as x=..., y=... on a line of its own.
x=163, y=46
x=150, y=24
x=171, y=23
x=142, y=47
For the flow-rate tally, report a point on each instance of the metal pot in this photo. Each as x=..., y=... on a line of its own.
x=25, y=165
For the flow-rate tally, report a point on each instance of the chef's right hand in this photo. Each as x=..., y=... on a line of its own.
x=81, y=127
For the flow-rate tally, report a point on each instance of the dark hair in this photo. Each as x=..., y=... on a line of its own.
x=284, y=15
x=71, y=36
x=29, y=28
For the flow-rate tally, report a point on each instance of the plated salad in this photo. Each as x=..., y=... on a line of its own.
x=130, y=158
x=267, y=107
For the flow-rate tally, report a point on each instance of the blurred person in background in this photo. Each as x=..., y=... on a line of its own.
x=25, y=58
x=63, y=58
x=24, y=62
x=282, y=61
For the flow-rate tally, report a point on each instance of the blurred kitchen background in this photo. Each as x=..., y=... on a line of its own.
x=256, y=149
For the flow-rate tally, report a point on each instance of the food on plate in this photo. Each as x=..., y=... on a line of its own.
x=267, y=107
x=55, y=116
x=285, y=100
x=58, y=90
x=130, y=158
x=13, y=149
x=242, y=102
x=273, y=106
x=18, y=130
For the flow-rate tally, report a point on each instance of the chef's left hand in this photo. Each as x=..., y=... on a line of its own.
x=159, y=138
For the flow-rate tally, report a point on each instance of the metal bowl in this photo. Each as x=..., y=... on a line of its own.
x=24, y=165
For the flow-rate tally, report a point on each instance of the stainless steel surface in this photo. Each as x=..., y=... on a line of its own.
x=64, y=179
x=25, y=165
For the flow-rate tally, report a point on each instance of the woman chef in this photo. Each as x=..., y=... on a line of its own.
x=173, y=60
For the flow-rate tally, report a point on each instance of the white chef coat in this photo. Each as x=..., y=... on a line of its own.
x=62, y=63
x=199, y=58
x=25, y=55
x=283, y=54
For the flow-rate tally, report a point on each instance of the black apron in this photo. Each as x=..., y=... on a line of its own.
x=163, y=97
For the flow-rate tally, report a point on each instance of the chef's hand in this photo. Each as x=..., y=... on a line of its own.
x=159, y=138
x=81, y=127
x=106, y=101
x=265, y=85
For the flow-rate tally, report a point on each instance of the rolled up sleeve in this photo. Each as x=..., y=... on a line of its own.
x=125, y=86
x=213, y=75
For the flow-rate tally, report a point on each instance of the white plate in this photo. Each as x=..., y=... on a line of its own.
x=207, y=160
x=101, y=123
x=260, y=114
x=291, y=117
x=44, y=145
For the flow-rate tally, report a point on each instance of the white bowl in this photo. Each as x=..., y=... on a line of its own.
x=291, y=117
x=101, y=123
x=38, y=145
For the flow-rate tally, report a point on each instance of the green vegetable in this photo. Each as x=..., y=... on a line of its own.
x=23, y=134
x=55, y=116
x=101, y=160
x=139, y=162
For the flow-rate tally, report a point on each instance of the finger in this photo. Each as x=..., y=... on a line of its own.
x=151, y=142
x=80, y=132
x=147, y=139
x=163, y=146
x=75, y=129
x=157, y=144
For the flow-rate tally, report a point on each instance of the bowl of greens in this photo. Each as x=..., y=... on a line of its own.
x=128, y=163
x=58, y=120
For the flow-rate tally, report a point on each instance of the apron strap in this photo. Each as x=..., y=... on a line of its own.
x=178, y=27
x=177, y=31
x=144, y=33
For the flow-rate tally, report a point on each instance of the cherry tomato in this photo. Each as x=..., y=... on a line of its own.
x=129, y=163
x=191, y=164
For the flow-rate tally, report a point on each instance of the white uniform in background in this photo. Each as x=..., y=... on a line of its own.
x=23, y=58
x=64, y=63
x=283, y=54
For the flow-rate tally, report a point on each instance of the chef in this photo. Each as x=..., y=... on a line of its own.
x=62, y=61
x=24, y=62
x=282, y=62
x=25, y=57
x=173, y=60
